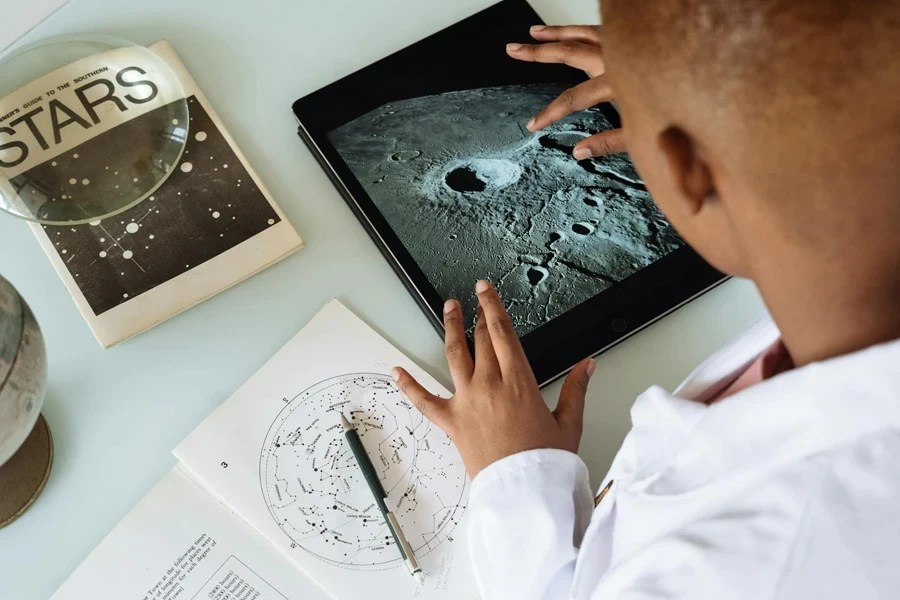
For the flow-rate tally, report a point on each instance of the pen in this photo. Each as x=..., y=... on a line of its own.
x=371, y=476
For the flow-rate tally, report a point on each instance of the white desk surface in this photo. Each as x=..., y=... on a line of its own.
x=19, y=16
x=116, y=414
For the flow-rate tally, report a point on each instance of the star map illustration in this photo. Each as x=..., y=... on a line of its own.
x=315, y=490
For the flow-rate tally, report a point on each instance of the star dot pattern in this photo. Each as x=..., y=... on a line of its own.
x=317, y=494
x=200, y=212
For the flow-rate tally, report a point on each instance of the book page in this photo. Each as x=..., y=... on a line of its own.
x=180, y=544
x=275, y=453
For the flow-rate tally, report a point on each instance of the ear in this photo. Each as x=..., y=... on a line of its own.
x=687, y=171
x=693, y=202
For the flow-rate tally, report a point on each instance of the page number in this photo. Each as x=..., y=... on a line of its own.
x=224, y=465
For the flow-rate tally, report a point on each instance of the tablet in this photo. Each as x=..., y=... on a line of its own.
x=429, y=149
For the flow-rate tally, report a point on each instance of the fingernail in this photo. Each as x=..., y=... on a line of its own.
x=581, y=153
x=482, y=286
x=537, y=28
x=591, y=366
x=513, y=47
x=396, y=374
x=450, y=306
x=530, y=125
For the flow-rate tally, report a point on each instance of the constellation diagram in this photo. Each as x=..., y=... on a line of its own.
x=315, y=490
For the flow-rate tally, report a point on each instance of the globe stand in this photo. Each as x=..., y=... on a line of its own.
x=42, y=186
x=22, y=477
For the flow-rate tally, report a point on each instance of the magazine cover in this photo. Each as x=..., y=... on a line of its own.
x=209, y=226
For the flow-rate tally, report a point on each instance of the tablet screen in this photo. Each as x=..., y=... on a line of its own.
x=429, y=148
x=473, y=194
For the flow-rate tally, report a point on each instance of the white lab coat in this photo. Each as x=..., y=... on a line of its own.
x=789, y=489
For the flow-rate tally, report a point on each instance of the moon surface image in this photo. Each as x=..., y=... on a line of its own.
x=473, y=194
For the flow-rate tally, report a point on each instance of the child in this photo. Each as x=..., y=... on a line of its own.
x=768, y=132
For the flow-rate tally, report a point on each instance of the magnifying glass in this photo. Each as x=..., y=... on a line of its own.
x=90, y=126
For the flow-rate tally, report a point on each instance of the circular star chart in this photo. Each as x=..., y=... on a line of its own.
x=316, y=493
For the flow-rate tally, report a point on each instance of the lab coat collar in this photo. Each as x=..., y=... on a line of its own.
x=678, y=443
x=721, y=369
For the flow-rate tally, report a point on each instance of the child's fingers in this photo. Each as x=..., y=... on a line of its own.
x=569, y=411
x=601, y=144
x=582, y=96
x=505, y=340
x=455, y=344
x=433, y=408
x=586, y=34
x=574, y=54
x=485, y=358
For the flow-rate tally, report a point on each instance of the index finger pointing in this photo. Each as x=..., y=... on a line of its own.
x=503, y=334
x=582, y=96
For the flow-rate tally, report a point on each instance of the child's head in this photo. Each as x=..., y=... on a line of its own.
x=768, y=132
x=762, y=122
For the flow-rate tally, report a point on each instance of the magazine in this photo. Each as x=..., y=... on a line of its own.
x=210, y=225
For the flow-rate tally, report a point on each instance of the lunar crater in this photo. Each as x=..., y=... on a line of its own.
x=564, y=141
x=537, y=274
x=481, y=174
x=487, y=199
x=583, y=228
x=464, y=179
x=406, y=155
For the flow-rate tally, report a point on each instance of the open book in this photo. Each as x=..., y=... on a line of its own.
x=210, y=225
x=268, y=503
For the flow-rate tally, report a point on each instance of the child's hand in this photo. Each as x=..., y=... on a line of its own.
x=578, y=46
x=497, y=410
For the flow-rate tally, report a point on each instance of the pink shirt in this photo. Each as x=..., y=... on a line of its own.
x=773, y=361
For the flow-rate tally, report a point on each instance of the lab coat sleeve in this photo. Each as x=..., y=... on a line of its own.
x=527, y=516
